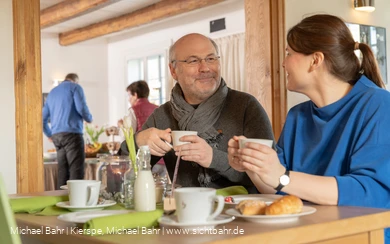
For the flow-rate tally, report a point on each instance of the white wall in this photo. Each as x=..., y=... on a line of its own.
x=157, y=38
x=87, y=59
x=7, y=94
x=296, y=10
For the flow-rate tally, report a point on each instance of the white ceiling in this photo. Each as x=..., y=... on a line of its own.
x=112, y=10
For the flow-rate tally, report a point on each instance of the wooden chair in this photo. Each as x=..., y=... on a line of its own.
x=7, y=219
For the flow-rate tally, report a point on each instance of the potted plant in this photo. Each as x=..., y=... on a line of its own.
x=93, y=145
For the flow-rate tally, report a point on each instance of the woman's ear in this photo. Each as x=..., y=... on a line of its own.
x=317, y=61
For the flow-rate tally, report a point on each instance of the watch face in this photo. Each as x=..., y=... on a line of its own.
x=284, y=180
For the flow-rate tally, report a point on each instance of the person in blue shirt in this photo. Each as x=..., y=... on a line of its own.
x=66, y=109
x=334, y=148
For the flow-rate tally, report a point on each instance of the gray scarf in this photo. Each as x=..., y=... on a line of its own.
x=201, y=120
x=203, y=117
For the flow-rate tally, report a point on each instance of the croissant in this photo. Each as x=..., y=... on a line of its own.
x=251, y=207
x=285, y=205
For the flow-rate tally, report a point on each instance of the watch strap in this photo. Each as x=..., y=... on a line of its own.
x=280, y=186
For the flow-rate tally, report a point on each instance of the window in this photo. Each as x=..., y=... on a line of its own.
x=375, y=37
x=152, y=70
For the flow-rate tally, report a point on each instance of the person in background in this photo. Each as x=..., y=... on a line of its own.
x=201, y=101
x=66, y=109
x=334, y=148
x=139, y=111
x=141, y=108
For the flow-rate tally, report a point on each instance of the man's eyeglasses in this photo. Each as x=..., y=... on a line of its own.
x=194, y=61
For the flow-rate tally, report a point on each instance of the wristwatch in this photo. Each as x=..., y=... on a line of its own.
x=284, y=180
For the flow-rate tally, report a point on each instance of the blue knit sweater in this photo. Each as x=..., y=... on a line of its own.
x=65, y=108
x=348, y=139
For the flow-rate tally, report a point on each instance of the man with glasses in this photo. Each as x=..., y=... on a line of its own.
x=201, y=101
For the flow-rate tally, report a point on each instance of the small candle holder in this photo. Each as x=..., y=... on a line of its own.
x=112, y=146
x=111, y=174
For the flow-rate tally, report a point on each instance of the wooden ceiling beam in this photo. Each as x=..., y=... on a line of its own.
x=70, y=9
x=151, y=13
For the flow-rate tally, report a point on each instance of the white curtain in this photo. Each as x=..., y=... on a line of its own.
x=232, y=52
x=170, y=82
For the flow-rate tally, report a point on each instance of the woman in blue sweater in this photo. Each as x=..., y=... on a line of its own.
x=334, y=148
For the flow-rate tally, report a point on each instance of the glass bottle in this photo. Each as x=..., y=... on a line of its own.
x=129, y=180
x=144, y=187
x=161, y=187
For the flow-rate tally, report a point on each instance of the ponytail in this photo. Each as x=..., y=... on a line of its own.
x=369, y=66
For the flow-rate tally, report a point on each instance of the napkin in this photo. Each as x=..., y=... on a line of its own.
x=35, y=204
x=110, y=224
x=232, y=190
x=52, y=211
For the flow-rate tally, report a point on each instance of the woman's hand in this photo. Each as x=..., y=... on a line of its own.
x=263, y=161
x=233, y=155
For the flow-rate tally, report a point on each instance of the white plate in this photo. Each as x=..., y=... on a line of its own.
x=271, y=218
x=66, y=205
x=262, y=197
x=171, y=222
x=82, y=217
x=50, y=155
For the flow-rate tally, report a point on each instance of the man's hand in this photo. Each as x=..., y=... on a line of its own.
x=154, y=139
x=198, y=150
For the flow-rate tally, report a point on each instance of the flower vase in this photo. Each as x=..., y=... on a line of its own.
x=129, y=180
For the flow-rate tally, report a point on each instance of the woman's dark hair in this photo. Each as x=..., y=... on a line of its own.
x=140, y=87
x=330, y=35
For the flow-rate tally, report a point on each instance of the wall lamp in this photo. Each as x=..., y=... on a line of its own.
x=365, y=5
x=56, y=82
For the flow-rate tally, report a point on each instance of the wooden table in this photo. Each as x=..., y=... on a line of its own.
x=329, y=225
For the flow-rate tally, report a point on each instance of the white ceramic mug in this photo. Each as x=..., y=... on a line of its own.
x=196, y=204
x=177, y=134
x=241, y=142
x=83, y=193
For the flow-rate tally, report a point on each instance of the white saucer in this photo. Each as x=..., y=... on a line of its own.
x=306, y=210
x=66, y=205
x=171, y=222
x=82, y=217
x=64, y=187
x=262, y=197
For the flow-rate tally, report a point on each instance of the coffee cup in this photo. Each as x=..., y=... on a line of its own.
x=177, y=134
x=196, y=204
x=242, y=142
x=83, y=193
